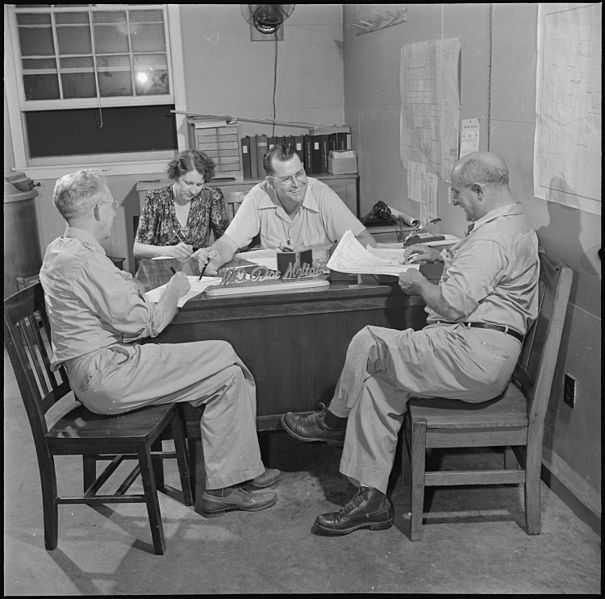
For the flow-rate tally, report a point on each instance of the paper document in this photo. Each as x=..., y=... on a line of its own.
x=197, y=287
x=267, y=257
x=351, y=257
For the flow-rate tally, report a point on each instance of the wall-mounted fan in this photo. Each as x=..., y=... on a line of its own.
x=267, y=18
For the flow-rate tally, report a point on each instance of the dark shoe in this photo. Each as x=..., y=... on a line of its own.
x=267, y=479
x=368, y=508
x=311, y=426
x=238, y=499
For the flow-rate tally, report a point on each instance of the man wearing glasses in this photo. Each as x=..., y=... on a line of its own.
x=288, y=210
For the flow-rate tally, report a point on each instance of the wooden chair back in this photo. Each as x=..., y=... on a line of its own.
x=73, y=430
x=515, y=420
x=535, y=368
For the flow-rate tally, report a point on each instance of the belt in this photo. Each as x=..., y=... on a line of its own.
x=485, y=325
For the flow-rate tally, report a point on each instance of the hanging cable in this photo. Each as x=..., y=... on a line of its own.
x=489, y=79
x=274, y=84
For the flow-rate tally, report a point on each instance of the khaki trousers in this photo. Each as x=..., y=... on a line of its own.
x=385, y=367
x=124, y=377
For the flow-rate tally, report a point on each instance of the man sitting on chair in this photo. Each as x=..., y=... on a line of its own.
x=477, y=318
x=98, y=312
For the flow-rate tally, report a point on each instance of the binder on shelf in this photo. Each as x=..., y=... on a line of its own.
x=299, y=146
x=246, y=162
x=261, y=147
x=333, y=141
x=324, y=144
x=253, y=157
x=316, y=154
x=343, y=141
x=308, y=154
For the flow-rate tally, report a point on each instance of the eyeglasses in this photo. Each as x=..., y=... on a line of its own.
x=291, y=179
x=114, y=204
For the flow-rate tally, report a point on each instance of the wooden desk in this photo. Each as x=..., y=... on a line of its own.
x=293, y=343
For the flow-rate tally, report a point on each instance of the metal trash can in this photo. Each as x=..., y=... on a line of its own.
x=22, y=256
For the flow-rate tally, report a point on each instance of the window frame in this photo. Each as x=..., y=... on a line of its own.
x=115, y=163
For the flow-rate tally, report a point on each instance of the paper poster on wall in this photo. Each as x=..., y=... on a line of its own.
x=567, y=145
x=469, y=139
x=416, y=173
x=430, y=104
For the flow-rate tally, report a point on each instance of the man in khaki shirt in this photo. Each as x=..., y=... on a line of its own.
x=477, y=317
x=98, y=312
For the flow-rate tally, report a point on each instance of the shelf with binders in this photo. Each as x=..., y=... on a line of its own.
x=313, y=150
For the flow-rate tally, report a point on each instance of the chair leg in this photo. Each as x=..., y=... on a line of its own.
x=158, y=466
x=417, y=482
x=196, y=467
x=533, y=507
x=151, y=498
x=406, y=453
x=50, y=506
x=178, y=434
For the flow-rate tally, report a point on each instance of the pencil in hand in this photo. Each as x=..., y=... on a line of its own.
x=203, y=271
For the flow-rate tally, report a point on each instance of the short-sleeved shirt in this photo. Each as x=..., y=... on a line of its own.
x=491, y=275
x=91, y=304
x=323, y=218
x=158, y=224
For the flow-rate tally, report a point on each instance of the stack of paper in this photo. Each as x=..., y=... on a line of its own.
x=351, y=257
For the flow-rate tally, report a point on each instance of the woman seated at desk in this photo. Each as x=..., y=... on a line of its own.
x=177, y=220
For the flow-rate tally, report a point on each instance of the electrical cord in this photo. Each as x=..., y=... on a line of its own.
x=274, y=84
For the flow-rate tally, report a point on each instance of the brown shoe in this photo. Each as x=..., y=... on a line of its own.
x=368, y=508
x=238, y=499
x=311, y=427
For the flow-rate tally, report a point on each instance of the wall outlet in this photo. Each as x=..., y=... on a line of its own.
x=569, y=390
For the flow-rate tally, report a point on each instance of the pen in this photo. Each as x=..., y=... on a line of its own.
x=173, y=271
x=203, y=271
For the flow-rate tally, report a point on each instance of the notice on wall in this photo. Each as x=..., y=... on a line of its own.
x=422, y=188
x=430, y=105
x=469, y=139
x=567, y=148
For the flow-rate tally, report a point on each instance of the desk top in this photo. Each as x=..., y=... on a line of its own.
x=153, y=273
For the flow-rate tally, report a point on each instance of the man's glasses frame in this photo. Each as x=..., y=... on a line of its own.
x=301, y=175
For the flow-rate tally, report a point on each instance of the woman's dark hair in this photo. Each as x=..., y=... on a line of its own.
x=191, y=160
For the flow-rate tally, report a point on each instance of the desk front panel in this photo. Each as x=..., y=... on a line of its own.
x=294, y=344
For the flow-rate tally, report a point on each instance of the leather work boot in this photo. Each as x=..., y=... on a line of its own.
x=234, y=499
x=312, y=427
x=368, y=508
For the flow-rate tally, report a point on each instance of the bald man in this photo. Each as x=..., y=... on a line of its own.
x=477, y=317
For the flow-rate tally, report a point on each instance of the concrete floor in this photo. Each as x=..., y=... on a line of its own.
x=108, y=551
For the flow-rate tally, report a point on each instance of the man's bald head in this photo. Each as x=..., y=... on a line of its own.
x=485, y=168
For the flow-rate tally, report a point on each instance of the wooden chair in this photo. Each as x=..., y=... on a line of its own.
x=130, y=436
x=515, y=420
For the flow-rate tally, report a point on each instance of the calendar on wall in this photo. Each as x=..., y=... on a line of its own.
x=221, y=142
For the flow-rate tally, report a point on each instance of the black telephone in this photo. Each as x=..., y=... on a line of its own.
x=379, y=215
